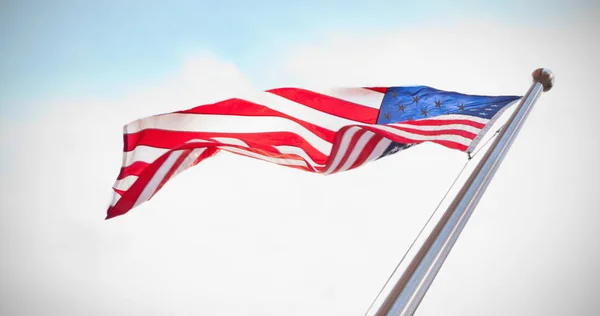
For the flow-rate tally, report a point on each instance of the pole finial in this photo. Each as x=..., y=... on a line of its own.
x=545, y=77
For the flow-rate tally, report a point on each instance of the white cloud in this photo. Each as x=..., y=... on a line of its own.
x=234, y=235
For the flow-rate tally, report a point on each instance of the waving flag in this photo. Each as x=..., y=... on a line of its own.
x=322, y=132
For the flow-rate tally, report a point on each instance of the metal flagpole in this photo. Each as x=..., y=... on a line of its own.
x=410, y=289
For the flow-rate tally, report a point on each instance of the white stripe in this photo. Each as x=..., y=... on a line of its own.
x=282, y=148
x=360, y=96
x=456, y=117
x=379, y=149
x=116, y=197
x=228, y=124
x=298, y=110
x=452, y=138
x=188, y=161
x=198, y=140
x=233, y=141
x=157, y=178
x=125, y=183
x=142, y=153
x=358, y=148
x=145, y=152
x=297, y=151
x=282, y=161
x=342, y=148
x=466, y=128
x=230, y=141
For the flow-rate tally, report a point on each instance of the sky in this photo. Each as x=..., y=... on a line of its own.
x=239, y=236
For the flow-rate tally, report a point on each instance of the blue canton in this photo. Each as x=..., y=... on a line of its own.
x=401, y=104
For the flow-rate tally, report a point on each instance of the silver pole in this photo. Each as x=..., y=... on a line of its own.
x=410, y=289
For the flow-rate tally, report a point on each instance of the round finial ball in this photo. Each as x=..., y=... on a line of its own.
x=545, y=77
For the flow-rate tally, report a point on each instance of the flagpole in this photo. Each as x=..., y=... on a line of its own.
x=409, y=290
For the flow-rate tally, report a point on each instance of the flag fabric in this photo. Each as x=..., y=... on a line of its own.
x=320, y=131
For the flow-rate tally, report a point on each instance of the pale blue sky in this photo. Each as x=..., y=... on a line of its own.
x=58, y=49
x=231, y=236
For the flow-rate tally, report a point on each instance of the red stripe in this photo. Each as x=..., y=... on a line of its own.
x=349, y=149
x=135, y=169
x=128, y=199
x=364, y=154
x=209, y=152
x=138, y=168
x=403, y=140
x=217, y=145
x=257, y=151
x=336, y=145
x=378, y=89
x=173, y=139
x=434, y=122
x=452, y=145
x=458, y=132
x=245, y=108
x=328, y=104
x=303, y=167
x=265, y=141
x=171, y=171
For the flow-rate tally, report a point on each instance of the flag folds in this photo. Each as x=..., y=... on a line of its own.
x=319, y=131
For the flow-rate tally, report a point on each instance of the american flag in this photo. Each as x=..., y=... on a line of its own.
x=320, y=131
